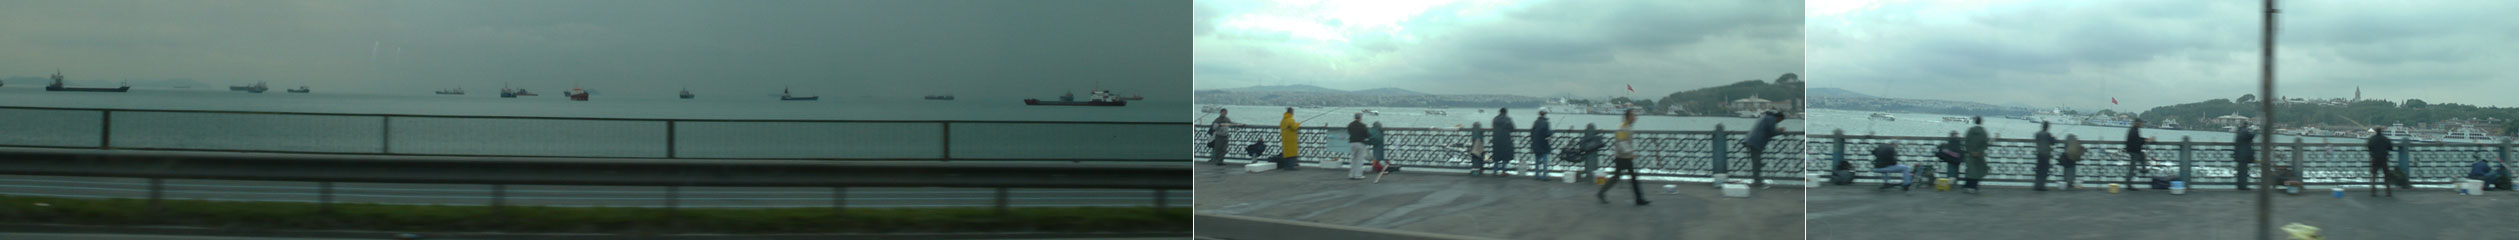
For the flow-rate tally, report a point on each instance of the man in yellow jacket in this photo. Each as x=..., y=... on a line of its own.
x=1288, y=140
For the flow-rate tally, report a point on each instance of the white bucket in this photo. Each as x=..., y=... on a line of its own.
x=1719, y=178
x=1670, y=188
x=2471, y=186
x=1811, y=180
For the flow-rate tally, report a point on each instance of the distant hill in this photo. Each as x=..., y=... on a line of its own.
x=1389, y=91
x=1286, y=88
x=1835, y=93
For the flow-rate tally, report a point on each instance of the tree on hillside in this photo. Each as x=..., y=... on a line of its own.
x=2248, y=98
x=2416, y=103
x=2106, y=112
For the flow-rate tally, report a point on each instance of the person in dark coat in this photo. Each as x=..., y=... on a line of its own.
x=2379, y=147
x=2135, y=159
x=1360, y=154
x=1951, y=155
x=1885, y=162
x=1540, y=147
x=2046, y=151
x=1977, y=144
x=1759, y=135
x=1477, y=148
x=2243, y=152
x=1502, y=143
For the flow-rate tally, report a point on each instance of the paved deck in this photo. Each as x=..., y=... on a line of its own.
x=1859, y=212
x=1495, y=207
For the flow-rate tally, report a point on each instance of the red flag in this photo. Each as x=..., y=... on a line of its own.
x=2112, y=100
x=1631, y=87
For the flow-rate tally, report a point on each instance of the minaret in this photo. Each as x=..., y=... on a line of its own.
x=2357, y=93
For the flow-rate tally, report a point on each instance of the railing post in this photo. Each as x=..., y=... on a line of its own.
x=385, y=135
x=839, y=200
x=1839, y=151
x=1162, y=200
x=947, y=152
x=157, y=191
x=1721, y=160
x=2186, y=160
x=498, y=199
x=105, y=139
x=324, y=197
x=669, y=138
x=1001, y=201
x=673, y=199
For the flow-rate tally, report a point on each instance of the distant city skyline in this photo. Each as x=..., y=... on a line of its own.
x=972, y=48
x=2150, y=53
x=1530, y=48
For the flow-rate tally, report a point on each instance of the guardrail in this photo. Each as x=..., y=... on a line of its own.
x=2207, y=164
x=1663, y=153
x=498, y=151
x=508, y=136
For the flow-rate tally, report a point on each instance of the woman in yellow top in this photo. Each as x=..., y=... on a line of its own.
x=1624, y=145
x=1287, y=137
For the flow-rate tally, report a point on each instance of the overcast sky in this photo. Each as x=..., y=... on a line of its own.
x=1534, y=48
x=835, y=48
x=2149, y=53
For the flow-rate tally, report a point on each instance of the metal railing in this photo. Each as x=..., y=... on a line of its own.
x=511, y=136
x=2206, y=164
x=1663, y=153
x=325, y=148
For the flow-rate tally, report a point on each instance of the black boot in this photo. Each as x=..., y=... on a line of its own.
x=1642, y=202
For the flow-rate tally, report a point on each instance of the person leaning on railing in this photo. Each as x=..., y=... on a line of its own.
x=2379, y=147
x=2135, y=159
x=2072, y=161
x=1976, y=146
x=1756, y=143
x=1540, y=147
x=1588, y=150
x=1220, y=136
x=1358, y=150
x=2045, y=151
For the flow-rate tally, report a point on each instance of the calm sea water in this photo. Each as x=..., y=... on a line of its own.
x=485, y=102
x=1399, y=117
x=1930, y=125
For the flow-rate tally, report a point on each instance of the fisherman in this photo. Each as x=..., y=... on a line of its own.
x=1976, y=146
x=2242, y=152
x=2135, y=159
x=1588, y=154
x=1503, y=144
x=1220, y=135
x=2046, y=151
x=1540, y=147
x=1759, y=135
x=2072, y=161
x=2379, y=147
x=1357, y=135
x=1289, y=141
x=1885, y=162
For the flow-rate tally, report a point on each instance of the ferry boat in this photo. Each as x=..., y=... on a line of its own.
x=1436, y=112
x=258, y=87
x=301, y=89
x=2399, y=133
x=2468, y=134
x=57, y=86
x=686, y=93
x=456, y=91
x=1884, y=117
x=1100, y=99
x=783, y=95
x=577, y=94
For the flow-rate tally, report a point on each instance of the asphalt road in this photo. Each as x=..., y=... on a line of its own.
x=1859, y=212
x=1494, y=207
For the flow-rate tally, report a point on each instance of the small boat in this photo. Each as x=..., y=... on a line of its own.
x=57, y=86
x=1134, y=98
x=1437, y=113
x=1884, y=117
x=1100, y=99
x=258, y=87
x=1956, y=119
x=456, y=91
x=784, y=95
x=577, y=94
x=940, y=97
x=301, y=89
x=1369, y=112
x=686, y=93
x=520, y=92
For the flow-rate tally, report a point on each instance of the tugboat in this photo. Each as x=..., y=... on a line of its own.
x=258, y=87
x=577, y=94
x=301, y=89
x=1100, y=99
x=457, y=91
x=686, y=93
x=784, y=95
x=940, y=97
x=57, y=86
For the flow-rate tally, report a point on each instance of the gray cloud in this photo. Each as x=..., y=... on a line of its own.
x=1588, y=48
x=2151, y=53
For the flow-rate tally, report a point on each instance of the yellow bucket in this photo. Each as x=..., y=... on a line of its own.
x=1941, y=184
x=2112, y=188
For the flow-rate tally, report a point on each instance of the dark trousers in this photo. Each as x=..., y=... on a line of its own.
x=2242, y=176
x=2072, y=173
x=1625, y=167
x=1757, y=164
x=1217, y=155
x=2041, y=178
x=2380, y=173
x=2133, y=167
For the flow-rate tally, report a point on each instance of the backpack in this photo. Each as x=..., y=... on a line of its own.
x=1256, y=149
